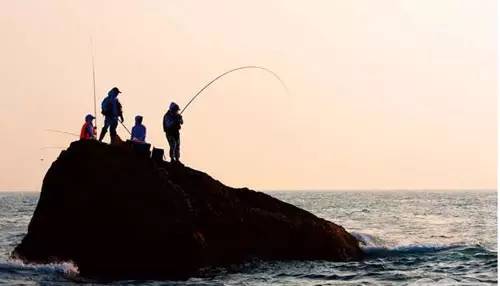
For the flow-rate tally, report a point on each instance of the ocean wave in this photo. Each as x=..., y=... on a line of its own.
x=17, y=266
x=403, y=250
x=368, y=240
x=376, y=247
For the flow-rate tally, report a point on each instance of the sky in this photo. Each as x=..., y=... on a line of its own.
x=384, y=95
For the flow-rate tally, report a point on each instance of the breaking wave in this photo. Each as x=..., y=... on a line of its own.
x=13, y=266
x=375, y=247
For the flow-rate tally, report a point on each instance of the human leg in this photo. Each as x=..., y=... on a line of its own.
x=177, y=148
x=112, y=126
x=171, y=144
x=104, y=129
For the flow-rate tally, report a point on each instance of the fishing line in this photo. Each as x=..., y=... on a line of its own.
x=233, y=70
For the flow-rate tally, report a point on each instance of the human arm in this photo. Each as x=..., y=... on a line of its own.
x=90, y=131
x=119, y=110
x=165, y=122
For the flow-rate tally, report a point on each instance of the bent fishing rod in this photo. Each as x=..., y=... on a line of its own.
x=233, y=70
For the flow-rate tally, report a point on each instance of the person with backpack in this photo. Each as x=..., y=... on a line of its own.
x=172, y=122
x=88, y=131
x=112, y=110
x=138, y=131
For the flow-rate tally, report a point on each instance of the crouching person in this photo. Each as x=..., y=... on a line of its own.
x=172, y=122
x=138, y=131
x=88, y=131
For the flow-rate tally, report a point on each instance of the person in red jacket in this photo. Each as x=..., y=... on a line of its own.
x=88, y=131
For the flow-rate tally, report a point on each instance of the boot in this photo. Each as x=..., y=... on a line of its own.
x=116, y=140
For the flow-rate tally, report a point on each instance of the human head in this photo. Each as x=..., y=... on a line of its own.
x=174, y=107
x=89, y=118
x=114, y=92
x=138, y=119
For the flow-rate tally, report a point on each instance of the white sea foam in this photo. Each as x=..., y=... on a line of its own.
x=68, y=268
x=374, y=246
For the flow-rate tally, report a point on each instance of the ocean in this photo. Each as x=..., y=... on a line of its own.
x=411, y=238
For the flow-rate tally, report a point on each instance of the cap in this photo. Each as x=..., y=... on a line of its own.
x=174, y=106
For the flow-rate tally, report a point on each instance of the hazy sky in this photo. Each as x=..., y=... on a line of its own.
x=386, y=94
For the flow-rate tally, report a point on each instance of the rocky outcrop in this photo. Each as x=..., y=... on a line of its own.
x=119, y=214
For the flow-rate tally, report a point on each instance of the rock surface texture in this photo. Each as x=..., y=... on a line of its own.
x=120, y=215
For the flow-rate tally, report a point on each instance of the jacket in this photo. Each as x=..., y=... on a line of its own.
x=87, y=131
x=111, y=107
x=172, y=122
x=138, y=133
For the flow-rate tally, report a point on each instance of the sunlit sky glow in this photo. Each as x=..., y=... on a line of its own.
x=384, y=94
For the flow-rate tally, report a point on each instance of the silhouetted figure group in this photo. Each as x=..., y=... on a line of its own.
x=111, y=108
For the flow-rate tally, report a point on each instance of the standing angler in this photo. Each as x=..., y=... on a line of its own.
x=172, y=122
x=112, y=110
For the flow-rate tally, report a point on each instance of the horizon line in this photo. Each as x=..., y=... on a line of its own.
x=334, y=190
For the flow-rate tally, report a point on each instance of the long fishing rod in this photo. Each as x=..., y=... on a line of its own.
x=95, y=104
x=62, y=132
x=52, y=147
x=93, y=79
x=93, y=84
x=230, y=71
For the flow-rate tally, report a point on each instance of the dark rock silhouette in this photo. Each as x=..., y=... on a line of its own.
x=118, y=214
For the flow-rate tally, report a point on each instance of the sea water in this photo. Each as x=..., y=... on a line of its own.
x=411, y=238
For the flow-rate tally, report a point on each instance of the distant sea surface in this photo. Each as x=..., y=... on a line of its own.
x=411, y=238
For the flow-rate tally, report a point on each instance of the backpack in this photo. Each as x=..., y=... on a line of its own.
x=106, y=106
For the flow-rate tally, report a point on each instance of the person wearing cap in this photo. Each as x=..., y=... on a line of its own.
x=112, y=110
x=138, y=131
x=88, y=131
x=172, y=122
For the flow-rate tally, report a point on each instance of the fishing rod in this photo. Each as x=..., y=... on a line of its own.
x=62, y=132
x=93, y=79
x=95, y=101
x=93, y=85
x=130, y=133
x=233, y=70
x=52, y=147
